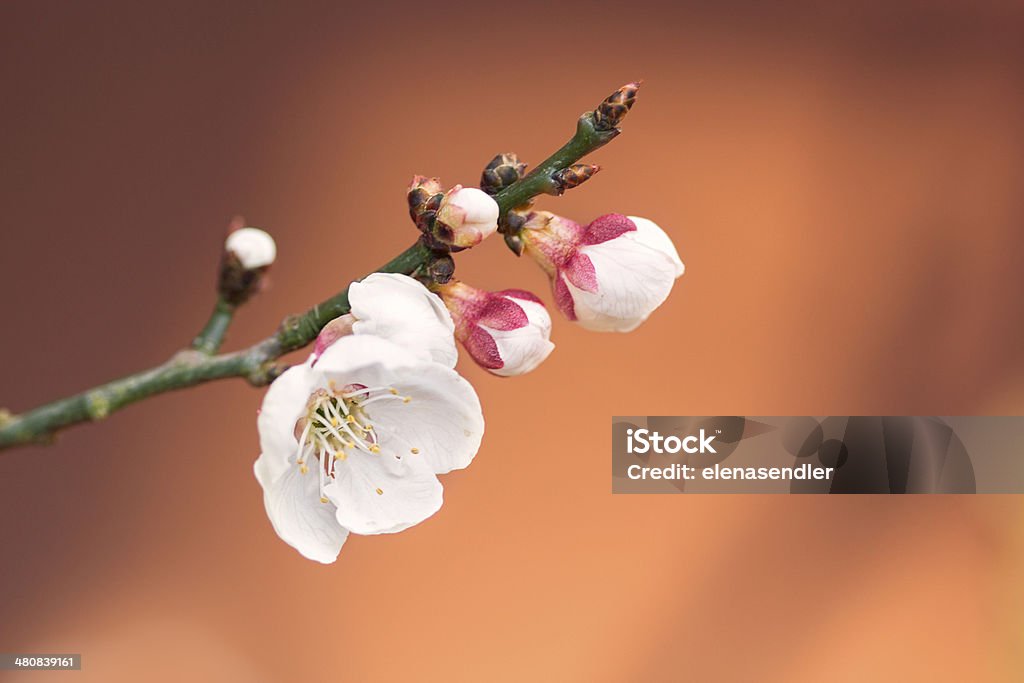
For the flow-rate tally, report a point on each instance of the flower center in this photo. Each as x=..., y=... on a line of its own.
x=336, y=424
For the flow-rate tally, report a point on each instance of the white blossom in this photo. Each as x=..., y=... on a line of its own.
x=353, y=442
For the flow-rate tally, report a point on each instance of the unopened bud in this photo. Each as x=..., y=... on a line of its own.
x=503, y=170
x=514, y=242
x=465, y=217
x=248, y=253
x=609, y=114
x=573, y=176
x=424, y=197
x=507, y=333
x=441, y=268
x=253, y=247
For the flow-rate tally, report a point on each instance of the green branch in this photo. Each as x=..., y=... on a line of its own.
x=541, y=180
x=212, y=336
x=192, y=366
x=198, y=364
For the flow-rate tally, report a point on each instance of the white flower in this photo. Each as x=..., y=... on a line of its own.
x=353, y=443
x=609, y=275
x=470, y=214
x=506, y=332
x=253, y=247
x=400, y=309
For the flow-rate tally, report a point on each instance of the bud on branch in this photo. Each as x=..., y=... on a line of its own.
x=503, y=170
x=574, y=176
x=609, y=114
x=248, y=254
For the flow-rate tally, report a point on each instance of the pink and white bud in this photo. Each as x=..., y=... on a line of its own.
x=253, y=247
x=507, y=333
x=470, y=216
x=609, y=275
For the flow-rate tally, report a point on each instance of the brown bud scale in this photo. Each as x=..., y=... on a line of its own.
x=609, y=114
x=502, y=171
x=574, y=176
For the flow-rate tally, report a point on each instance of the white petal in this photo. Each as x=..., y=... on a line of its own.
x=253, y=247
x=523, y=349
x=442, y=421
x=301, y=519
x=633, y=280
x=364, y=359
x=648, y=232
x=378, y=494
x=400, y=309
x=284, y=403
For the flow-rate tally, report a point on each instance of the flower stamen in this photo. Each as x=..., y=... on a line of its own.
x=336, y=420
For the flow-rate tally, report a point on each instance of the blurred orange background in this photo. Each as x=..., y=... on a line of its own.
x=843, y=182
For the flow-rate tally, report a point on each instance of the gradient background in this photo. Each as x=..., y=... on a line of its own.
x=843, y=182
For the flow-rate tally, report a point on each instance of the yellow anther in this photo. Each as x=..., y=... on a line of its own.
x=406, y=399
x=394, y=392
x=351, y=419
x=322, y=499
x=375, y=448
x=303, y=469
x=340, y=456
x=415, y=451
x=380, y=492
x=334, y=422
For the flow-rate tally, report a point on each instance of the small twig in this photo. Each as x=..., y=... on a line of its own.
x=212, y=335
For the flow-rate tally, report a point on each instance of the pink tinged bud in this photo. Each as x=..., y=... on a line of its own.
x=332, y=332
x=507, y=332
x=549, y=239
x=470, y=216
x=610, y=275
x=634, y=267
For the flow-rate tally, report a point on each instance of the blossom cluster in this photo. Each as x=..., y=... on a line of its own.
x=353, y=439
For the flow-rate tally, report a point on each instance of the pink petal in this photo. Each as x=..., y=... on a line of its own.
x=483, y=349
x=500, y=313
x=563, y=299
x=607, y=227
x=579, y=270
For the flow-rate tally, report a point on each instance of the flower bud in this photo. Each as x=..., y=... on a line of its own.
x=465, y=217
x=424, y=196
x=609, y=114
x=608, y=276
x=248, y=253
x=253, y=247
x=503, y=170
x=573, y=176
x=507, y=333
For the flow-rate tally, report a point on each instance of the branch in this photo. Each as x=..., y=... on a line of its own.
x=198, y=364
x=543, y=178
x=212, y=336
x=190, y=367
